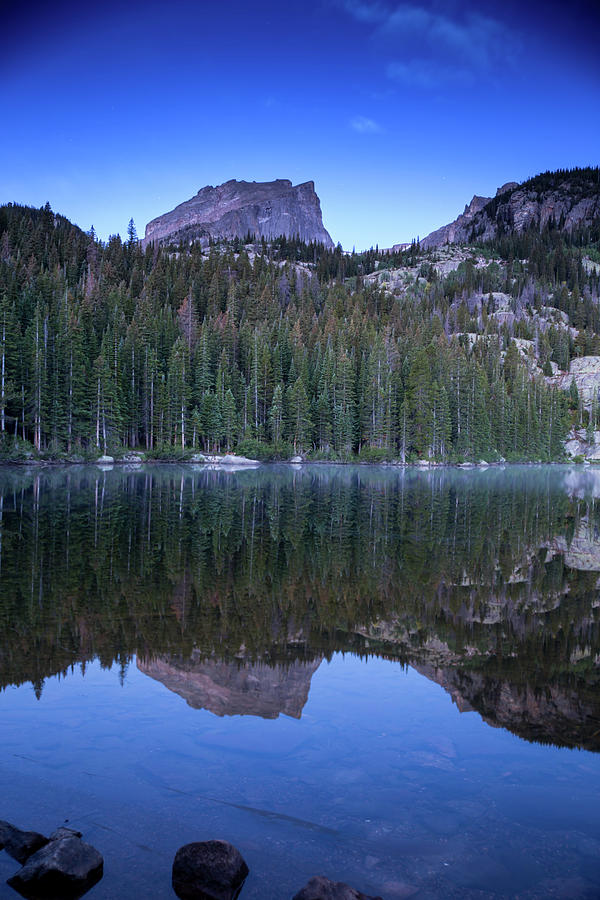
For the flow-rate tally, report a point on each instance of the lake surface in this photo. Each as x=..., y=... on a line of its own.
x=391, y=678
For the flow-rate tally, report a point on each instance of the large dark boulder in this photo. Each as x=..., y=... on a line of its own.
x=208, y=870
x=20, y=844
x=65, y=868
x=320, y=888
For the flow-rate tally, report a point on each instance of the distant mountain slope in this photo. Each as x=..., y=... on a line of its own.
x=238, y=208
x=568, y=199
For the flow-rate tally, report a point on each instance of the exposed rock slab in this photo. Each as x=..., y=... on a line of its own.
x=238, y=208
x=580, y=442
x=208, y=870
x=585, y=372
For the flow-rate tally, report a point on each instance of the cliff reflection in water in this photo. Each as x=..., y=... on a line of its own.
x=235, y=688
x=230, y=588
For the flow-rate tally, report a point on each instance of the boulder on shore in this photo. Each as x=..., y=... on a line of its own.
x=208, y=870
x=321, y=888
x=66, y=867
x=230, y=460
x=132, y=458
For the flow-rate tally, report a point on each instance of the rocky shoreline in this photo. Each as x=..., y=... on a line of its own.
x=230, y=462
x=64, y=867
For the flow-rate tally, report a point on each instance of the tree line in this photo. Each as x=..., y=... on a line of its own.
x=277, y=348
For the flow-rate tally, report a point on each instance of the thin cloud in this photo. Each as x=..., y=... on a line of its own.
x=364, y=11
x=427, y=74
x=435, y=45
x=474, y=39
x=364, y=125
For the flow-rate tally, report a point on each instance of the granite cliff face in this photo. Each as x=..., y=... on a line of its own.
x=237, y=208
x=453, y=233
x=569, y=199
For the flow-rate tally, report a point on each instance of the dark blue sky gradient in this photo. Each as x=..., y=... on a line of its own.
x=399, y=112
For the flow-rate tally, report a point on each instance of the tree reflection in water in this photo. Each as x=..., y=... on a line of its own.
x=230, y=588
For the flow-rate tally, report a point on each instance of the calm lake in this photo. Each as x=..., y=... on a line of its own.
x=388, y=677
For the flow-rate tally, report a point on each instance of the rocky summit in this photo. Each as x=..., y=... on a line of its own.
x=565, y=200
x=237, y=208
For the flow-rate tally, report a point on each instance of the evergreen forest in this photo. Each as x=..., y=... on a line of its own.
x=282, y=348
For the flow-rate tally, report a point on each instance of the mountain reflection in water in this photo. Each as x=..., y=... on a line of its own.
x=231, y=588
x=235, y=689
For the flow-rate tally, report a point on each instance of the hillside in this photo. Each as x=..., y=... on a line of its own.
x=567, y=200
x=460, y=353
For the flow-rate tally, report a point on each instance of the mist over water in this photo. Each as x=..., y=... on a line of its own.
x=386, y=677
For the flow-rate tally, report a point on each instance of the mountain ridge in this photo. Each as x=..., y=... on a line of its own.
x=565, y=199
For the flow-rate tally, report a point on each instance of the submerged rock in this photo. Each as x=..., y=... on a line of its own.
x=208, y=870
x=321, y=888
x=20, y=844
x=65, y=868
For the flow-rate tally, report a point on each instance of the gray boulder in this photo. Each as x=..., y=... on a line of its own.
x=208, y=870
x=230, y=460
x=65, y=868
x=20, y=844
x=321, y=888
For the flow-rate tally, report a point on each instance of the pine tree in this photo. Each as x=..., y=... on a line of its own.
x=299, y=423
x=419, y=401
x=276, y=414
x=229, y=419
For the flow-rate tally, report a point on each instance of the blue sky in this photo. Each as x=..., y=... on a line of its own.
x=399, y=112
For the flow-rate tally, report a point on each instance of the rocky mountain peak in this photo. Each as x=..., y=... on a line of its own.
x=569, y=199
x=475, y=205
x=509, y=186
x=237, y=208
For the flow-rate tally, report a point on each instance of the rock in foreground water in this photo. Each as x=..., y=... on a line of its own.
x=208, y=870
x=64, y=868
x=320, y=888
x=20, y=844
